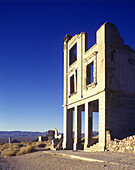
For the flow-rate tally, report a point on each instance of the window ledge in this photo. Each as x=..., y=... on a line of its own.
x=72, y=94
x=72, y=64
x=90, y=86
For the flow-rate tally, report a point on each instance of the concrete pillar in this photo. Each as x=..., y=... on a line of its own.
x=86, y=126
x=10, y=140
x=65, y=127
x=68, y=129
x=75, y=124
x=102, y=122
x=39, y=138
x=77, y=138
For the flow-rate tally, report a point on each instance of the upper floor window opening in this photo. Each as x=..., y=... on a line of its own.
x=72, y=88
x=73, y=54
x=90, y=73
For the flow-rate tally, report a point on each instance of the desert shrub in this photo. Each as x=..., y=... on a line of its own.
x=4, y=146
x=25, y=143
x=34, y=144
x=42, y=145
x=27, y=149
x=22, y=151
x=38, y=144
x=21, y=145
x=10, y=151
x=16, y=149
x=14, y=145
x=30, y=148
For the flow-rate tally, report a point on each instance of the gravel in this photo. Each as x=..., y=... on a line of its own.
x=45, y=161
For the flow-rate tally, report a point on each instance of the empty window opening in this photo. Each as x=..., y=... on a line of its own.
x=90, y=74
x=72, y=88
x=73, y=54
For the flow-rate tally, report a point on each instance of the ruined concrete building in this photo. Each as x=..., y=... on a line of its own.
x=98, y=80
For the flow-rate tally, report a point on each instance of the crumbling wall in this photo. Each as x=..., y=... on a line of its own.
x=116, y=145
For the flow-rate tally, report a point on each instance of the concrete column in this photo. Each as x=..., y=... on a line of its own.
x=75, y=81
x=10, y=140
x=64, y=127
x=39, y=138
x=77, y=137
x=68, y=129
x=102, y=122
x=75, y=134
x=86, y=126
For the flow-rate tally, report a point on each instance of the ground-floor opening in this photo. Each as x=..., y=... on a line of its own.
x=79, y=124
x=82, y=126
x=93, y=122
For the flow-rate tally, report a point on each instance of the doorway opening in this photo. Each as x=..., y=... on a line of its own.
x=82, y=126
x=70, y=133
x=93, y=122
x=79, y=137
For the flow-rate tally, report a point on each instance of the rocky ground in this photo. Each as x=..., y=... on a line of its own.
x=42, y=160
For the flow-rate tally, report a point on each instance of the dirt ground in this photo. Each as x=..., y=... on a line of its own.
x=42, y=160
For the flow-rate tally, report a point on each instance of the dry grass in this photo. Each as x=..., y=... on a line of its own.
x=16, y=149
x=10, y=150
x=44, y=144
x=26, y=149
x=4, y=146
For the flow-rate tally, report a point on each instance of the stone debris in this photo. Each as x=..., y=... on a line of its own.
x=126, y=145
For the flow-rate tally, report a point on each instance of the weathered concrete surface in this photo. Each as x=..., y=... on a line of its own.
x=120, y=85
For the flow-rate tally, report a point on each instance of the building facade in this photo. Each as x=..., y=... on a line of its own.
x=101, y=81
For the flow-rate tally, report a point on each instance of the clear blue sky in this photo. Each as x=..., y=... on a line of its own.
x=31, y=54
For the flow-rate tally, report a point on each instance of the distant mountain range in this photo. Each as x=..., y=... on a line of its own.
x=20, y=135
x=95, y=133
x=26, y=135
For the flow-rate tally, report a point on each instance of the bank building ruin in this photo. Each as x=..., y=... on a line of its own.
x=101, y=81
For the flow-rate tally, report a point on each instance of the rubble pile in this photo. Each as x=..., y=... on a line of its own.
x=127, y=145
